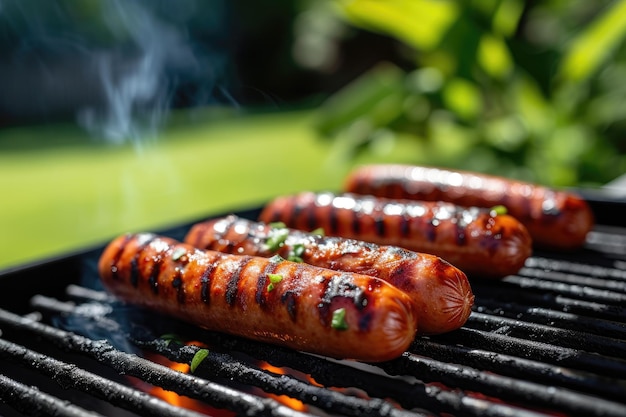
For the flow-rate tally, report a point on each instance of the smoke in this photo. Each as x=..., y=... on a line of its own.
x=117, y=66
x=138, y=85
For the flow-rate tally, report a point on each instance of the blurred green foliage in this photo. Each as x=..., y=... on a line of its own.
x=532, y=90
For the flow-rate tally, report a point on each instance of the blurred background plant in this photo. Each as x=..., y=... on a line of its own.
x=528, y=89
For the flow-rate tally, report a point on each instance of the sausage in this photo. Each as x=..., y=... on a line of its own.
x=555, y=219
x=478, y=241
x=440, y=292
x=300, y=306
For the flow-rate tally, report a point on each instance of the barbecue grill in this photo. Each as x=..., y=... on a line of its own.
x=550, y=340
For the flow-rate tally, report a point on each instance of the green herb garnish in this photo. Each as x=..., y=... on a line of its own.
x=295, y=254
x=276, y=259
x=274, y=280
x=178, y=253
x=277, y=225
x=319, y=231
x=498, y=210
x=200, y=355
x=172, y=337
x=339, y=319
x=277, y=239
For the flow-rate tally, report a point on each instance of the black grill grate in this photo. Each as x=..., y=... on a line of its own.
x=547, y=341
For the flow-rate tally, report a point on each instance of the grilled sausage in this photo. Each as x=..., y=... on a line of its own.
x=441, y=293
x=555, y=219
x=478, y=241
x=304, y=307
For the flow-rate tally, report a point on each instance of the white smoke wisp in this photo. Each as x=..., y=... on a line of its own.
x=136, y=86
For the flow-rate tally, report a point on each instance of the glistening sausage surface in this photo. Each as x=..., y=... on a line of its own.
x=555, y=219
x=440, y=292
x=303, y=308
x=478, y=241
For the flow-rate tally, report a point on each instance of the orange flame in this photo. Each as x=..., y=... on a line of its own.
x=284, y=399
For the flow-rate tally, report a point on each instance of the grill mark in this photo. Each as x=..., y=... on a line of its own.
x=356, y=224
x=261, y=284
x=405, y=225
x=115, y=270
x=134, y=263
x=334, y=221
x=232, y=288
x=379, y=222
x=177, y=283
x=213, y=244
x=311, y=218
x=290, y=300
x=205, y=283
x=153, y=279
x=461, y=238
x=340, y=286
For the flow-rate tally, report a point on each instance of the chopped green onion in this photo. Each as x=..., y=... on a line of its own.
x=277, y=225
x=276, y=259
x=295, y=255
x=274, y=279
x=339, y=319
x=178, y=253
x=200, y=355
x=277, y=239
x=172, y=337
x=498, y=210
x=318, y=231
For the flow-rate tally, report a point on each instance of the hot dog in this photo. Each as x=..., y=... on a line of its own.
x=478, y=241
x=555, y=219
x=441, y=293
x=304, y=307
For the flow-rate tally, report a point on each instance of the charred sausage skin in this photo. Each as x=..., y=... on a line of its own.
x=440, y=292
x=477, y=241
x=555, y=219
x=232, y=293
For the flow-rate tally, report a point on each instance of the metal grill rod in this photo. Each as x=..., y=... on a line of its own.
x=508, y=389
x=69, y=375
x=31, y=401
x=548, y=334
x=129, y=364
x=533, y=350
x=590, y=294
x=522, y=368
x=551, y=300
x=550, y=317
x=417, y=396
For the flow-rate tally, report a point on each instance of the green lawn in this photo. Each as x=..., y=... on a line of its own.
x=63, y=190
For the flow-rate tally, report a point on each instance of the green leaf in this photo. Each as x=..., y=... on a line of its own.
x=594, y=45
x=419, y=23
x=339, y=319
x=463, y=97
x=494, y=56
x=200, y=356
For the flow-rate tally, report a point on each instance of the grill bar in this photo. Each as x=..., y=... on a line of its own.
x=533, y=350
x=225, y=366
x=547, y=341
x=576, y=291
x=535, y=297
x=548, y=334
x=128, y=364
x=551, y=317
x=522, y=368
x=31, y=401
x=574, y=279
x=510, y=389
x=70, y=376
